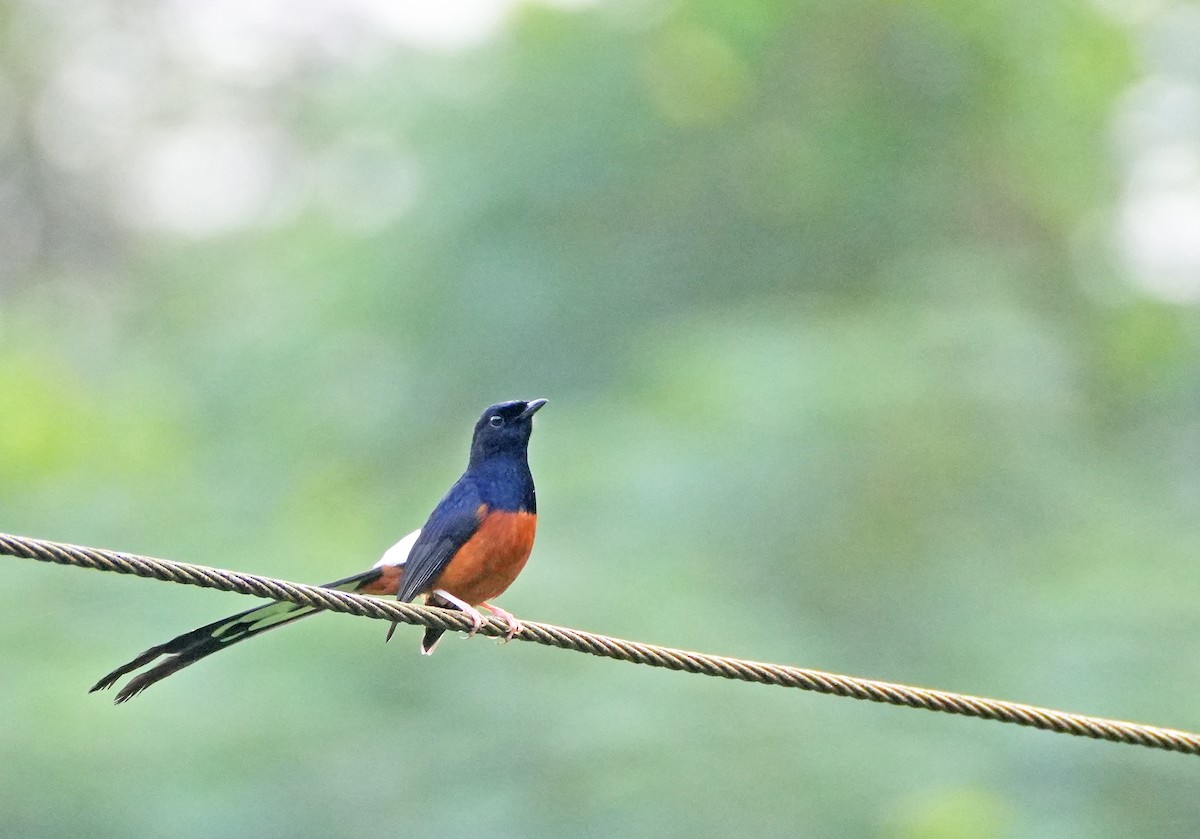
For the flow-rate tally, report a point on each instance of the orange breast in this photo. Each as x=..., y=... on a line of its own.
x=491, y=559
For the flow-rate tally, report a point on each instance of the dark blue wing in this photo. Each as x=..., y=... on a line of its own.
x=453, y=521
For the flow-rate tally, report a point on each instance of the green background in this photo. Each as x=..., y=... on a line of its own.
x=853, y=364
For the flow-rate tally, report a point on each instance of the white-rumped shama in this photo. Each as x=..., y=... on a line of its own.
x=473, y=546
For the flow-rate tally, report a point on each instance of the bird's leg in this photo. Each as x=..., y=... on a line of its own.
x=514, y=625
x=464, y=606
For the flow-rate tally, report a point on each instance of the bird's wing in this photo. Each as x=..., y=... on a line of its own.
x=453, y=521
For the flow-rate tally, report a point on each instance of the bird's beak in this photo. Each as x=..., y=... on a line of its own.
x=531, y=408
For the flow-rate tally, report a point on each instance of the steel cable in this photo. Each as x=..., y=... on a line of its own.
x=565, y=638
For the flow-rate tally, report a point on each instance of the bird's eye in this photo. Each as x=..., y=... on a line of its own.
x=496, y=422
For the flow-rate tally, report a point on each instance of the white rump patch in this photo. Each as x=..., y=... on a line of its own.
x=398, y=553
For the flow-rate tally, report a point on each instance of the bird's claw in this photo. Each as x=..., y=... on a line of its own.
x=476, y=623
x=514, y=625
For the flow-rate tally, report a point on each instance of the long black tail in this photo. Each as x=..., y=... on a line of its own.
x=192, y=646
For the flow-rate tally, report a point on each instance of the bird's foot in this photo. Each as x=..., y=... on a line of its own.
x=514, y=625
x=477, y=619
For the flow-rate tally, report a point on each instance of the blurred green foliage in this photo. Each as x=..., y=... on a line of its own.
x=843, y=373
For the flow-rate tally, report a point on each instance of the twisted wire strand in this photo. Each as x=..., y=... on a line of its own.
x=604, y=646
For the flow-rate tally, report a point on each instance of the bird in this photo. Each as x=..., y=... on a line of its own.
x=469, y=551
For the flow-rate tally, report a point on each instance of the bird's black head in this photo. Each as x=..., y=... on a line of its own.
x=505, y=428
